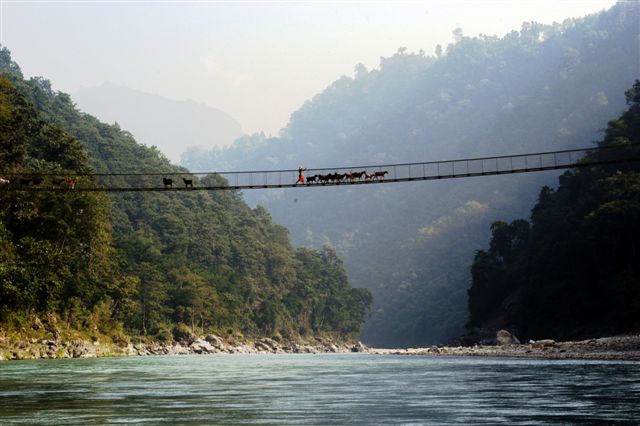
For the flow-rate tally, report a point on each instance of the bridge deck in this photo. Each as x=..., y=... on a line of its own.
x=432, y=170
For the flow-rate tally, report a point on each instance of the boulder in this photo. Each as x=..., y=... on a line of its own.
x=215, y=341
x=79, y=349
x=358, y=347
x=267, y=344
x=504, y=338
x=177, y=349
x=308, y=349
x=243, y=349
x=260, y=346
x=543, y=343
x=289, y=346
x=201, y=346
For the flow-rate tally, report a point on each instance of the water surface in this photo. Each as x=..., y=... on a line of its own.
x=317, y=389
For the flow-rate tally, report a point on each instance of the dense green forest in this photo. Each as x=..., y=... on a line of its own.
x=573, y=270
x=544, y=87
x=141, y=263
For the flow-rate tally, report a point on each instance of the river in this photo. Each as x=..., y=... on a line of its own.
x=317, y=389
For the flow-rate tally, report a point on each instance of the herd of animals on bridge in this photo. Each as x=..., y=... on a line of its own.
x=70, y=183
x=342, y=177
x=315, y=179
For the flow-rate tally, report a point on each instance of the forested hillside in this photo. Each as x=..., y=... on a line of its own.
x=573, y=270
x=57, y=252
x=540, y=88
x=142, y=262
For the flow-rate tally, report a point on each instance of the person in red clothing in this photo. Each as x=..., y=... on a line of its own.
x=300, y=175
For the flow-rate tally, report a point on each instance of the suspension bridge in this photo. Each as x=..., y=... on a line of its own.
x=317, y=178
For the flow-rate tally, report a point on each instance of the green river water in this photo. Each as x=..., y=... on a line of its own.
x=331, y=389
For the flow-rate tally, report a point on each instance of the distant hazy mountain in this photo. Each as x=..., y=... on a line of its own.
x=168, y=124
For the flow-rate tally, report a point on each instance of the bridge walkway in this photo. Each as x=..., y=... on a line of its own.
x=337, y=176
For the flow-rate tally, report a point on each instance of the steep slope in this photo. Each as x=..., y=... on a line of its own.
x=203, y=259
x=572, y=271
x=542, y=88
x=57, y=252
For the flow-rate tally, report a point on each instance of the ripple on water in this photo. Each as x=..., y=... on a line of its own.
x=318, y=389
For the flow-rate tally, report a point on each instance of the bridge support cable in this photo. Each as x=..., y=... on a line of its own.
x=316, y=178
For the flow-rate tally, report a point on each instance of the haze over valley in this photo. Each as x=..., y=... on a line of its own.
x=543, y=88
x=251, y=212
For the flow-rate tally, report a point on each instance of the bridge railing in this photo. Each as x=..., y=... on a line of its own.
x=155, y=181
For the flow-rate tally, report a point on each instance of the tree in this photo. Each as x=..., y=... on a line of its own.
x=574, y=272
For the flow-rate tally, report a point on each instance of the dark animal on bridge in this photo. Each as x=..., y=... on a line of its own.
x=188, y=182
x=167, y=182
x=333, y=177
x=358, y=175
x=24, y=181
x=37, y=181
x=340, y=177
x=353, y=176
x=324, y=178
x=70, y=183
x=379, y=175
x=313, y=178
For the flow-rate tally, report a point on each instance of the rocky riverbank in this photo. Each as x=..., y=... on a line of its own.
x=608, y=348
x=50, y=338
x=209, y=344
x=184, y=342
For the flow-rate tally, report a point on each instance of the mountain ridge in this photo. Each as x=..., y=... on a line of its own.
x=544, y=87
x=170, y=125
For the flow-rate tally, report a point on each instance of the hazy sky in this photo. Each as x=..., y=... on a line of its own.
x=258, y=61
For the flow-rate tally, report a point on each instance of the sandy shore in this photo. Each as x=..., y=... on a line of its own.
x=608, y=348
